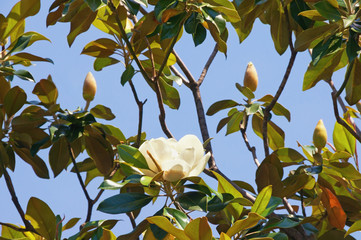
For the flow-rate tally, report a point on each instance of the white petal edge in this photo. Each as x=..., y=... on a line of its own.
x=199, y=166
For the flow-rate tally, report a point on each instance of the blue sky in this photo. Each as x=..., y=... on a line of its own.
x=63, y=194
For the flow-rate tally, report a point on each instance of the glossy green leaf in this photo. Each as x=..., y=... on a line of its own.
x=193, y=201
x=328, y=11
x=59, y=156
x=103, y=112
x=288, y=155
x=220, y=105
x=14, y=99
x=46, y=91
x=94, y=4
x=279, y=28
x=234, y=122
x=124, y=202
x=25, y=75
x=102, y=47
x=127, y=74
x=296, y=7
x=243, y=224
x=199, y=35
x=167, y=226
x=110, y=185
x=170, y=94
x=343, y=139
x=353, y=86
x=262, y=200
x=41, y=217
x=101, y=63
x=305, y=38
x=323, y=70
x=179, y=217
x=132, y=155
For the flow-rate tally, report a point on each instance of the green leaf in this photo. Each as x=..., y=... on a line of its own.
x=101, y=63
x=46, y=91
x=353, y=86
x=220, y=105
x=199, y=229
x=94, y=4
x=352, y=47
x=71, y=223
x=25, y=75
x=245, y=91
x=276, y=135
x=243, y=224
x=279, y=28
x=323, y=70
x=21, y=43
x=14, y=99
x=103, y=112
x=305, y=38
x=262, y=200
x=170, y=94
x=234, y=122
x=273, y=203
x=277, y=109
x=35, y=162
x=171, y=28
x=179, y=217
x=19, y=12
x=193, y=201
x=124, y=202
x=199, y=35
x=167, y=226
x=328, y=11
x=343, y=139
x=288, y=155
x=127, y=74
x=356, y=226
x=102, y=47
x=110, y=185
x=160, y=7
x=296, y=7
x=132, y=155
x=41, y=217
x=59, y=156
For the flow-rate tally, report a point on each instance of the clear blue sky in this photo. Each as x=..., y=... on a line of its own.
x=63, y=194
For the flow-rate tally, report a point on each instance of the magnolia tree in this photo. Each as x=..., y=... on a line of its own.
x=141, y=35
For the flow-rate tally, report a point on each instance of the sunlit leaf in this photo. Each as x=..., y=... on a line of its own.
x=46, y=91
x=164, y=224
x=41, y=217
x=343, y=139
x=335, y=214
x=262, y=200
x=353, y=86
x=59, y=156
x=103, y=112
x=132, y=155
x=240, y=225
x=198, y=229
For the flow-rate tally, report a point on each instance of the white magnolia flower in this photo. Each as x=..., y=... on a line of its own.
x=177, y=160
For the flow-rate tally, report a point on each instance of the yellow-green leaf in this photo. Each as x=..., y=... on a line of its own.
x=46, y=91
x=164, y=224
x=41, y=217
x=102, y=47
x=353, y=86
x=14, y=99
x=356, y=226
x=199, y=229
x=262, y=200
x=240, y=225
x=59, y=156
x=276, y=136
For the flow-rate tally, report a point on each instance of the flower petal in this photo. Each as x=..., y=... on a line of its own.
x=144, y=148
x=200, y=165
x=191, y=141
x=174, y=174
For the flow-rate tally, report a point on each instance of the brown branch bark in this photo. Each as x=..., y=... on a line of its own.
x=14, y=198
x=208, y=64
x=250, y=148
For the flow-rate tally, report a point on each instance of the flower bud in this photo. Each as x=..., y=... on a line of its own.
x=320, y=135
x=89, y=87
x=250, y=77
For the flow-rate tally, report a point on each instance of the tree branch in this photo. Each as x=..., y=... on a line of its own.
x=140, y=117
x=274, y=101
x=14, y=198
x=251, y=149
x=184, y=68
x=208, y=64
x=340, y=120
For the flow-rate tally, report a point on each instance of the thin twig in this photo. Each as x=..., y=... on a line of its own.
x=340, y=120
x=184, y=68
x=90, y=201
x=140, y=117
x=14, y=227
x=250, y=148
x=208, y=64
x=303, y=204
x=274, y=101
x=177, y=73
x=14, y=198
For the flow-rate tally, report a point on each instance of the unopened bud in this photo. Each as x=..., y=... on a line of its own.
x=250, y=77
x=320, y=135
x=89, y=87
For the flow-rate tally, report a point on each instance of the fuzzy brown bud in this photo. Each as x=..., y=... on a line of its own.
x=320, y=135
x=89, y=87
x=251, y=77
